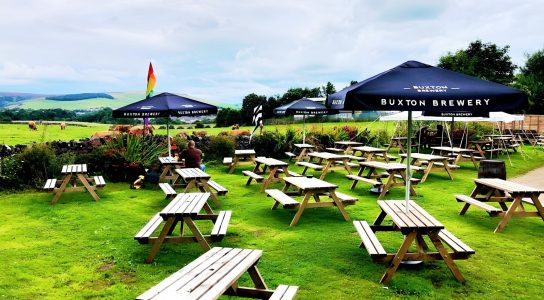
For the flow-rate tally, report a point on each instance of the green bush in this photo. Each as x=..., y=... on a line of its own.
x=270, y=144
x=10, y=170
x=198, y=125
x=39, y=162
x=140, y=150
x=219, y=147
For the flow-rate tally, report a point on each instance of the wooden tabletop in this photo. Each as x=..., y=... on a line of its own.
x=328, y=155
x=192, y=173
x=244, y=152
x=348, y=143
x=185, y=204
x=424, y=156
x=206, y=277
x=305, y=183
x=383, y=165
x=167, y=160
x=452, y=149
x=507, y=186
x=271, y=162
x=67, y=169
x=416, y=218
x=304, y=146
x=369, y=149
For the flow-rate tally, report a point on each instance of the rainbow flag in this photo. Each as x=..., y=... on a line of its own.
x=150, y=82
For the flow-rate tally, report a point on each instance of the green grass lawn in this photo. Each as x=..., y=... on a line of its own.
x=12, y=134
x=81, y=249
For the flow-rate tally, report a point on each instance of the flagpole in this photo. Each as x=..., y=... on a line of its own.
x=408, y=159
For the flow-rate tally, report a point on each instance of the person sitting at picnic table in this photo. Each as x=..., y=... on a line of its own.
x=192, y=156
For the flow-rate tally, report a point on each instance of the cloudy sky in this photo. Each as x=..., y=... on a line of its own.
x=223, y=50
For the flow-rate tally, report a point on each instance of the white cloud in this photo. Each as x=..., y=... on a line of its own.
x=223, y=50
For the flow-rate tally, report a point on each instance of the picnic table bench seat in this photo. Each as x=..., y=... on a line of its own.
x=227, y=160
x=461, y=249
x=221, y=224
x=284, y=292
x=389, y=157
x=291, y=173
x=252, y=176
x=369, y=240
x=412, y=179
x=346, y=199
x=307, y=165
x=475, y=157
x=439, y=164
x=352, y=165
x=357, y=158
x=334, y=150
x=145, y=233
x=282, y=198
x=168, y=190
x=217, y=187
x=364, y=179
x=492, y=211
x=99, y=181
x=50, y=184
x=290, y=155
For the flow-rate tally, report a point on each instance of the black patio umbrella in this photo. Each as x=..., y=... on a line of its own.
x=415, y=86
x=165, y=105
x=304, y=107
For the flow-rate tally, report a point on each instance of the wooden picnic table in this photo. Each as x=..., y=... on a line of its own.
x=196, y=178
x=248, y=154
x=168, y=165
x=330, y=159
x=273, y=165
x=480, y=146
x=347, y=145
x=369, y=153
x=459, y=153
x=302, y=150
x=75, y=179
x=183, y=209
x=400, y=142
x=216, y=273
x=396, y=176
x=503, y=191
x=414, y=225
x=313, y=188
x=432, y=162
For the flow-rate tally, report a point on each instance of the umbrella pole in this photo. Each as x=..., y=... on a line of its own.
x=168, y=136
x=304, y=129
x=408, y=159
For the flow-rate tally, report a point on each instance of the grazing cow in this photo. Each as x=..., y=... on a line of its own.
x=32, y=125
x=106, y=135
x=139, y=130
x=200, y=133
x=120, y=128
x=239, y=132
x=62, y=125
x=235, y=126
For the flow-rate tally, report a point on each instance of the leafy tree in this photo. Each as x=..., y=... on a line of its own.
x=293, y=94
x=353, y=82
x=248, y=104
x=531, y=80
x=328, y=89
x=227, y=117
x=483, y=60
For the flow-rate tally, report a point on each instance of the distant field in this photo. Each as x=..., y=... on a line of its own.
x=121, y=99
x=12, y=134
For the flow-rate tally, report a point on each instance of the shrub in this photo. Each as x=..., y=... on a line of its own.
x=219, y=147
x=142, y=150
x=198, y=124
x=272, y=144
x=38, y=163
x=10, y=169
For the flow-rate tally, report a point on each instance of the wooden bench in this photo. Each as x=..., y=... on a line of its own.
x=216, y=186
x=291, y=173
x=143, y=235
x=475, y=157
x=389, y=157
x=357, y=158
x=50, y=184
x=369, y=240
x=284, y=292
x=439, y=164
x=335, y=150
x=282, y=198
x=168, y=190
x=352, y=165
x=99, y=181
x=364, y=179
x=221, y=224
x=461, y=249
x=307, y=165
x=346, y=199
x=492, y=211
x=227, y=160
x=252, y=176
x=290, y=155
x=412, y=179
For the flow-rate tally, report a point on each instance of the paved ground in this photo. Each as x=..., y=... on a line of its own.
x=534, y=178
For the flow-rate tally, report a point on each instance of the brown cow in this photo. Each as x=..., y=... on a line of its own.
x=139, y=130
x=200, y=133
x=62, y=125
x=238, y=132
x=120, y=128
x=235, y=126
x=32, y=125
x=107, y=135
